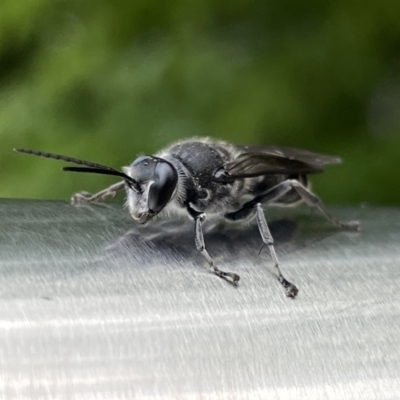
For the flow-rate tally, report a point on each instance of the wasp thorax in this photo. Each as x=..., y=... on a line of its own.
x=157, y=179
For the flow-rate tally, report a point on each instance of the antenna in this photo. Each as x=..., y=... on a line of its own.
x=93, y=167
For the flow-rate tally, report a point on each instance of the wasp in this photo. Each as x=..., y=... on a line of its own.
x=208, y=178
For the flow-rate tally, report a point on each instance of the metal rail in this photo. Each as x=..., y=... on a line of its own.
x=93, y=307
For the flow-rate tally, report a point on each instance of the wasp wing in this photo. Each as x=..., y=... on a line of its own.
x=253, y=161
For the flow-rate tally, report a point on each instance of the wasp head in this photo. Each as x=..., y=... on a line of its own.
x=157, y=180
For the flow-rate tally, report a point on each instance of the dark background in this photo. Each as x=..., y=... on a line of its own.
x=107, y=80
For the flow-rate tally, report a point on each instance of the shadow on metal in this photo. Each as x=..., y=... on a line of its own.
x=177, y=236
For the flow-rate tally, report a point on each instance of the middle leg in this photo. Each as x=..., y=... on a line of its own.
x=200, y=245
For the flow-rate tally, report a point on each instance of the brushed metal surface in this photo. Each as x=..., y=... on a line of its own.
x=92, y=307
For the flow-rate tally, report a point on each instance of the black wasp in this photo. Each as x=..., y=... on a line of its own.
x=205, y=177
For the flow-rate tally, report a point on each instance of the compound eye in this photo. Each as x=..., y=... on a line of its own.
x=163, y=186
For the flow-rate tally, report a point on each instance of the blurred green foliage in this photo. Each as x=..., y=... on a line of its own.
x=107, y=80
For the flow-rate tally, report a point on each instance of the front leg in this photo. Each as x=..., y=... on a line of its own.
x=200, y=245
x=87, y=198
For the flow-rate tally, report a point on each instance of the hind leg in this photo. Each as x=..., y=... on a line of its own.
x=274, y=194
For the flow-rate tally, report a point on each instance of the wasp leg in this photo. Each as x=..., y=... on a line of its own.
x=291, y=290
x=313, y=200
x=272, y=195
x=87, y=198
x=278, y=191
x=200, y=245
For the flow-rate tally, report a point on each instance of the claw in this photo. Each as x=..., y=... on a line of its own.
x=234, y=278
x=351, y=225
x=81, y=198
x=291, y=291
